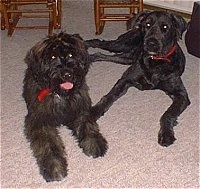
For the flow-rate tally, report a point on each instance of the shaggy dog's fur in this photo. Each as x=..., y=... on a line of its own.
x=56, y=94
x=157, y=62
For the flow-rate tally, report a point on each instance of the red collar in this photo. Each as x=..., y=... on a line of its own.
x=42, y=94
x=166, y=57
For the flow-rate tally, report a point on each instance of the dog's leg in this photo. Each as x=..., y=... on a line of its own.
x=117, y=58
x=119, y=89
x=124, y=43
x=129, y=78
x=48, y=149
x=177, y=92
x=89, y=138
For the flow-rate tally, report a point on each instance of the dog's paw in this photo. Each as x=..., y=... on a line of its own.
x=94, y=145
x=53, y=170
x=166, y=137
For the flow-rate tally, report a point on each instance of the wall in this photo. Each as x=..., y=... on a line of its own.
x=184, y=6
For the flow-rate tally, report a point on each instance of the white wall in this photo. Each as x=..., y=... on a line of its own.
x=185, y=6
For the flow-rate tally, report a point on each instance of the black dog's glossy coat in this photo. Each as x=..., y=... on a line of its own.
x=56, y=94
x=157, y=62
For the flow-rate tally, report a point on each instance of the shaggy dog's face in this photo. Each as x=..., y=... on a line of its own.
x=60, y=62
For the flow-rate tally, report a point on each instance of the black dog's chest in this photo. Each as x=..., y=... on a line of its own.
x=152, y=73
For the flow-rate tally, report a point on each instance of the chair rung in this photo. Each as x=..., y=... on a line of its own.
x=34, y=16
x=118, y=6
x=29, y=11
x=27, y=3
x=31, y=27
x=115, y=16
x=115, y=19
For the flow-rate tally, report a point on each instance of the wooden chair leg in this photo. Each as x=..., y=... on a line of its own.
x=13, y=19
x=4, y=17
x=51, y=22
x=140, y=6
x=53, y=14
x=131, y=11
x=3, y=25
x=102, y=23
x=13, y=24
x=59, y=15
x=97, y=14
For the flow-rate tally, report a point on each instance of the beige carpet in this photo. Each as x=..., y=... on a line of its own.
x=134, y=158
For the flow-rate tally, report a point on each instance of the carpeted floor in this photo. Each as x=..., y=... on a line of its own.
x=134, y=158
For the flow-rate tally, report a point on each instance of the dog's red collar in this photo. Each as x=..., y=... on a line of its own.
x=166, y=57
x=42, y=94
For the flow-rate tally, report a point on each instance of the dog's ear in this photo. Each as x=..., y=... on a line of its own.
x=77, y=36
x=180, y=25
x=137, y=20
x=35, y=52
x=32, y=58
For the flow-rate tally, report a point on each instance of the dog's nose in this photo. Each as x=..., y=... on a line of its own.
x=152, y=45
x=67, y=75
x=151, y=42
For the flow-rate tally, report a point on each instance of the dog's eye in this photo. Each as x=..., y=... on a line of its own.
x=53, y=57
x=165, y=27
x=148, y=25
x=69, y=55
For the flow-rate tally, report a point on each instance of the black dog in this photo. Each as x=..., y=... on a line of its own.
x=157, y=62
x=56, y=94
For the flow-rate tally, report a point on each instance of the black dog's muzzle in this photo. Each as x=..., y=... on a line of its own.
x=152, y=45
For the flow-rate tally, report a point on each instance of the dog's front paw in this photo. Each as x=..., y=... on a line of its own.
x=94, y=145
x=53, y=170
x=166, y=137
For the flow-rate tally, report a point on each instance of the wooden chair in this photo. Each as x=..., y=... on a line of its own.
x=101, y=16
x=13, y=10
x=2, y=17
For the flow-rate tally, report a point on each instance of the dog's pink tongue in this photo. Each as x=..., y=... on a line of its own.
x=67, y=85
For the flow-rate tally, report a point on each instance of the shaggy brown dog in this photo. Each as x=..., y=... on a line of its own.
x=56, y=94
